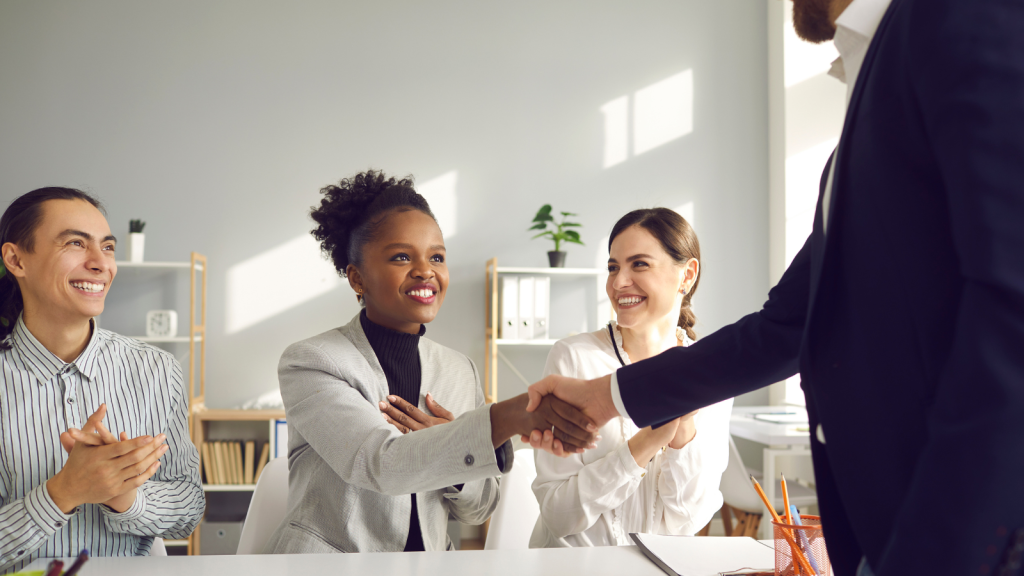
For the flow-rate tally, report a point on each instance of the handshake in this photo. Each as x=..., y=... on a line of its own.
x=560, y=415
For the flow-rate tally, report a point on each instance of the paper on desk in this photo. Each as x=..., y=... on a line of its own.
x=782, y=418
x=706, y=555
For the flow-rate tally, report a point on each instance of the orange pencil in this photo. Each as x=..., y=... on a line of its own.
x=798, y=556
x=789, y=515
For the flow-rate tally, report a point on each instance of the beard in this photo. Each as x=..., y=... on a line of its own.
x=811, y=20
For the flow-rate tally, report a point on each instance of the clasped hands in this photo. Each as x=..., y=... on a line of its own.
x=568, y=430
x=103, y=468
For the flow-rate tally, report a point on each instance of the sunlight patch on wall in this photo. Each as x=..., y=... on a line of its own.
x=686, y=211
x=616, y=131
x=276, y=281
x=442, y=195
x=663, y=112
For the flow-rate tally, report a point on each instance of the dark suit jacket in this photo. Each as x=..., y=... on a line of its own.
x=905, y=320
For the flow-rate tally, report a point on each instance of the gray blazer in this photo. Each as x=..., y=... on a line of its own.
x=350, y=472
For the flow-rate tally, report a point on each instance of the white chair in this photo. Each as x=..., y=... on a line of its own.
x=742, y=500
x=158, y=548
x=517, y=511
x=266, y=509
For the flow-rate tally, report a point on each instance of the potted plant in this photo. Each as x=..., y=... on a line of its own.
x=559, y=234
x=136, y=240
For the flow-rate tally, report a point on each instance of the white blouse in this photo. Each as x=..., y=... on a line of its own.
x=599, y=497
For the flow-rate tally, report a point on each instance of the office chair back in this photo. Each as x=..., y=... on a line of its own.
x=266, y=509
x=517, y=511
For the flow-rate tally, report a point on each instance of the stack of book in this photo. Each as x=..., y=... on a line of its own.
x=233, y=462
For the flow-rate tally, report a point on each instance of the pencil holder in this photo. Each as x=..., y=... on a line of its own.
x=810, y=557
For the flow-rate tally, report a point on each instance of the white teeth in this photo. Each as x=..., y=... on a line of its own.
x=421, y=293
x=88, y=286
x=629, y=301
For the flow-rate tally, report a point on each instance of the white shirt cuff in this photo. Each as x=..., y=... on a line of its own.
x=616, y=397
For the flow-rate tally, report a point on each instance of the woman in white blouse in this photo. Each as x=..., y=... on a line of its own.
x=658, y=481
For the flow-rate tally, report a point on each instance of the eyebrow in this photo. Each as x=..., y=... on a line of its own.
x=86, y=235
x=631, y=258
x=411, y=247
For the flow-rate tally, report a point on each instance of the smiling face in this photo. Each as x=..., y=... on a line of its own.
x=66, y=276
x=645, y=285
x=402, y=274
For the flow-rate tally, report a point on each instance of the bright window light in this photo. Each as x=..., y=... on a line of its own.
x=803, y=177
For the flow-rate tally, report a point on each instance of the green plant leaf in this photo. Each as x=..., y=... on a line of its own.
x=545, y=211
x=539, y=226
x=571, y=235
x=567, y=224
x=569, y=214
x=548, y=233
x=543, y=218
x=575, y=241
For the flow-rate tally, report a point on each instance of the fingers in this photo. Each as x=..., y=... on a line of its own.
x=437, y=409
x=137, y=481
x=95, y=418
x=106, y=435
x=121, y=449
x=400, y=416
x=79, y=436
x=570, y=413
x=539, y=390
x=402, y=429
x=569, y=431
x=67, y=442
x=140, y=460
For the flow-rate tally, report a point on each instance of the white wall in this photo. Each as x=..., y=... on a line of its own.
x=217, y=122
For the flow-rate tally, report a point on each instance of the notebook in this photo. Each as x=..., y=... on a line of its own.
x=706, y=555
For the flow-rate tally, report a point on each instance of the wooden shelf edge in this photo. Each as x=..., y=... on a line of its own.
x=207, y=414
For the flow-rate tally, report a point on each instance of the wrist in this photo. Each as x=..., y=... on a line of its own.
x=61, y=498
x=641, y=448
x=502, y=421
x=122, y=503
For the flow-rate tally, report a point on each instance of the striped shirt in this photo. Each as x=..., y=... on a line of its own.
x=42, y=396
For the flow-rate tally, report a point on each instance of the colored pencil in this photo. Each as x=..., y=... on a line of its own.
x=798, y=556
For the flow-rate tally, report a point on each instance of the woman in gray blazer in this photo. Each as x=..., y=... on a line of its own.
x=376, y=465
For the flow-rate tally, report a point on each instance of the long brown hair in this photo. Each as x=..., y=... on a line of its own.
x=678, y=239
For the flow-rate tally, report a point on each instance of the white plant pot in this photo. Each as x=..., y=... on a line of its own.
x=136, y=246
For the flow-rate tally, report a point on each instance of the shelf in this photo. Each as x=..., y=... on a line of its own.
x=553, y=271
x=169, y=543
x=239, y=415
x=157, y=265
x=229, y=487
x=512, y=342
x=173, y=339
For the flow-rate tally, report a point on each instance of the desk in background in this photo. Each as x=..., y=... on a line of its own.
x=778, y=439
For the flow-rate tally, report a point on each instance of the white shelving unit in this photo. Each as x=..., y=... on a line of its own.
x=491, y=340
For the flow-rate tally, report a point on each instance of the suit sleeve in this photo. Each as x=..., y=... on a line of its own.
x=473, y=502
x=348, y=432
x=967, y=72
x=758, y=350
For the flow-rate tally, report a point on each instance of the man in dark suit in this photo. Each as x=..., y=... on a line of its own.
x=904, y=311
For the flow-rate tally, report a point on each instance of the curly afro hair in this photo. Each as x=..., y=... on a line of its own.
x=351, y=212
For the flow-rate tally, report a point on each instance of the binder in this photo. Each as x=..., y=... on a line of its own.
x=236, y=450
x=509, y=307
x=264, y=456
x=250, y=462
x=207, y=463
x=541, y=307
x=280, y=438
x=218, y=463
x=526, y=287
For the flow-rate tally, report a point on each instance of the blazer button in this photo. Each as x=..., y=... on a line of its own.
x=469, y=460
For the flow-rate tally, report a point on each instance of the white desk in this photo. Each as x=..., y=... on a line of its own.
x=545, y=562
x=779, y=440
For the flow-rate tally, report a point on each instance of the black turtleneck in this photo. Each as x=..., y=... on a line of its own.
x=399, y=356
